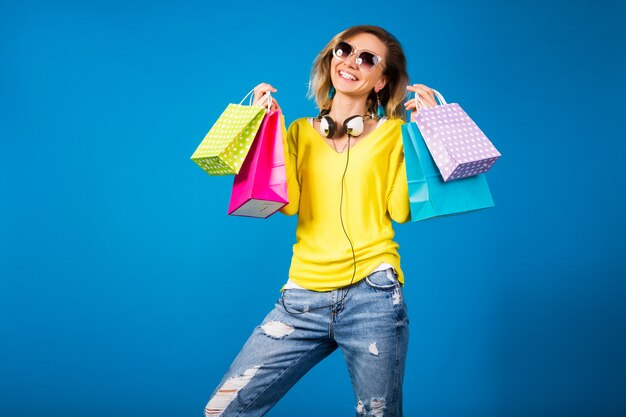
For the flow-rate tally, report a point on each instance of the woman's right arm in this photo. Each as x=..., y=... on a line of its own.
x=290, y=146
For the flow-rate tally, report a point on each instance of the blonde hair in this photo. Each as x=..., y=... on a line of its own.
x=392, y=96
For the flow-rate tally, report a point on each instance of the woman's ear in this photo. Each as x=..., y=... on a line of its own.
x=380, y=84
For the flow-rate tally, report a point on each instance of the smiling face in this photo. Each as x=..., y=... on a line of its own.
x=348, y=78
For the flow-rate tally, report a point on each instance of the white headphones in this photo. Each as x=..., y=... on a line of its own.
x=353, y=126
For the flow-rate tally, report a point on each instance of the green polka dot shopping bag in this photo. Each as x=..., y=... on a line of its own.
x=224, y=148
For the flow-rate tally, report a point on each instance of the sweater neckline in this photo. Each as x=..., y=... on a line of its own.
x=357, y=145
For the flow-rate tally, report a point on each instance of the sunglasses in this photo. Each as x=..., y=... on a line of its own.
x=364, y=59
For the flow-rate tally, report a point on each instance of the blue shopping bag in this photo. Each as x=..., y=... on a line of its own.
x=429, y=195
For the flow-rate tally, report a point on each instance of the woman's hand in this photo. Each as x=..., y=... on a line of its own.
x=425, y=94
x=261, y=97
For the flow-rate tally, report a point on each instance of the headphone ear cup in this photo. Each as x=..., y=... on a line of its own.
x=354, y=125
x=327, y=126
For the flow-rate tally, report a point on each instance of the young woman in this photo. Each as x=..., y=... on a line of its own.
x=346, y=181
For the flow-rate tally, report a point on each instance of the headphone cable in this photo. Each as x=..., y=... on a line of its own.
x=348, y=237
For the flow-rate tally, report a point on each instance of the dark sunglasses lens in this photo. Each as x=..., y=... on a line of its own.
x=342, y=50
x=367, y=60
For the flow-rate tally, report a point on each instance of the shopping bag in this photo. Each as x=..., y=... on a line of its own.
x=429, y=195
x=260, y=188
x=224, y=148
x=458, y=146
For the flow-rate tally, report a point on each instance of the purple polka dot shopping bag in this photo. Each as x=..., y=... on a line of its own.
x=458, y=146
x=429, y=195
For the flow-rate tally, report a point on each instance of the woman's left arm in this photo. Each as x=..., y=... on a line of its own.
x=398, y=203
x=398, y=199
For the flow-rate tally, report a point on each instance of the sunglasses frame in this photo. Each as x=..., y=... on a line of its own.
x=357, y=52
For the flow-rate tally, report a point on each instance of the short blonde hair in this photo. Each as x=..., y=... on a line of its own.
x=394, y=93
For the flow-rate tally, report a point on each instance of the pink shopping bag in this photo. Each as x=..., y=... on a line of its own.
x=457, y=145
x=260, y=187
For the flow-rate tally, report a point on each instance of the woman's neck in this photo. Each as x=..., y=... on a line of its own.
x=345, y=106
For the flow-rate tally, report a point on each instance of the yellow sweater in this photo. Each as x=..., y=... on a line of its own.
x=375, y=192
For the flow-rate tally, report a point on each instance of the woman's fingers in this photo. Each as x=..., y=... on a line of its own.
x=411, y=104
x=419, y=87
x=263, y=101
x=264, y=87
x=425, y=94
x=261, y=90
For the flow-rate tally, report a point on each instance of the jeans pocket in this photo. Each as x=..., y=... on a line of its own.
x=295, y=300
x=382, y=280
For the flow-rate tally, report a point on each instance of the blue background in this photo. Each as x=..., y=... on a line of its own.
x=126, y=290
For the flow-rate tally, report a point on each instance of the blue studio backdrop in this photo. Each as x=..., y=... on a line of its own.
x=126, y=290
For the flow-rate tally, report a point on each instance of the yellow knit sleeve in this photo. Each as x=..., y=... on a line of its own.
x=398, y=200
x=290, y=146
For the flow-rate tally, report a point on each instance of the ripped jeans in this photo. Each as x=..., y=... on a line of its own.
x=371, y=326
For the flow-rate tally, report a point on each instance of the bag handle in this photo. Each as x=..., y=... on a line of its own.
x=419, y=105
x=268, y=94
x=251, y=91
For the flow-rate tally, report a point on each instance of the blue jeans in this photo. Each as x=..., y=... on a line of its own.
x=371, y=326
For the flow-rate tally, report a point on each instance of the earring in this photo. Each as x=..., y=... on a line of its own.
x=380, y=110
x=331, y=92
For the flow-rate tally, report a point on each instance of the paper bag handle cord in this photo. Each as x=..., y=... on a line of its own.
x=269, y=104
x=420, y=105
x=251, y=98
x=269, y=100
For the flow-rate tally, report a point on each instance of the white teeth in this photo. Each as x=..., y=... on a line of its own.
x=347, y=76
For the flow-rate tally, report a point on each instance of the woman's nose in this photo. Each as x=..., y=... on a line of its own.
x=351, y=61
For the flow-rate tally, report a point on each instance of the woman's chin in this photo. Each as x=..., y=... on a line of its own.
x=347, y=87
